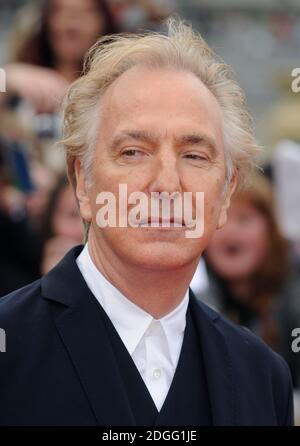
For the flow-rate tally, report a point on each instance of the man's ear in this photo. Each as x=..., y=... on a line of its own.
x=81, y=192
x=230, y=188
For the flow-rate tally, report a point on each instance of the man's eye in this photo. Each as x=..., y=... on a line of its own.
x=132, y=153
x=196, y=157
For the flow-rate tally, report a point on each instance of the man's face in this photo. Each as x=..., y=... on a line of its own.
x=160, y=130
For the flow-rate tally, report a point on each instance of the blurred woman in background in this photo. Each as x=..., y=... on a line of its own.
x=21, y=248
x=43, y=64
x=251, y=275
x=63, y=228
x=52, y=55
x=48, y=48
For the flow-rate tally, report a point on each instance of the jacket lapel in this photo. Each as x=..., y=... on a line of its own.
x=83, y=333
x=217, y=363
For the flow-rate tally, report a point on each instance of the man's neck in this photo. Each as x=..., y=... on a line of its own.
x=156, y=292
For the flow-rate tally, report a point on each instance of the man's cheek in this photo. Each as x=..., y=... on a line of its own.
x=211, y=216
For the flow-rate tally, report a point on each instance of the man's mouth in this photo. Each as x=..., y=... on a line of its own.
x=160, y=222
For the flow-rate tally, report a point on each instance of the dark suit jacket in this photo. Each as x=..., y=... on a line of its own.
x=59, y=369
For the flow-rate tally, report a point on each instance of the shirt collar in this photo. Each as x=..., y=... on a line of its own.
x=174, y=324
x=130, y=321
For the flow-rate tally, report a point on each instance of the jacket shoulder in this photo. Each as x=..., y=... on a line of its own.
x=240, y=337
x=261, y=370
x=16, y=305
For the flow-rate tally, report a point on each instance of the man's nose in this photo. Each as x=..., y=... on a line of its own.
x=165, y=176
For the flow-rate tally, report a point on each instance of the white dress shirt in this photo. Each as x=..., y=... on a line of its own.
x=153, y=344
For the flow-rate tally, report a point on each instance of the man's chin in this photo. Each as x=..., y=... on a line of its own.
x=162, y=258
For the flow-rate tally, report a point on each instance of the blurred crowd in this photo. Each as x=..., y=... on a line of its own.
x=250, y=270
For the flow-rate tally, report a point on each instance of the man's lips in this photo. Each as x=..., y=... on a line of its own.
x=162, y=222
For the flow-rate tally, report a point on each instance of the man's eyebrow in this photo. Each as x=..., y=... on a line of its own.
x=137, y=135
x=192, y=139
x=195, y=139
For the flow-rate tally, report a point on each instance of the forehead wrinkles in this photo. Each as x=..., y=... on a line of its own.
x=141, y=82
x=128, y=98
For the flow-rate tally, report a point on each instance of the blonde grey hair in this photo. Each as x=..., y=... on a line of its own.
x=180, y=48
